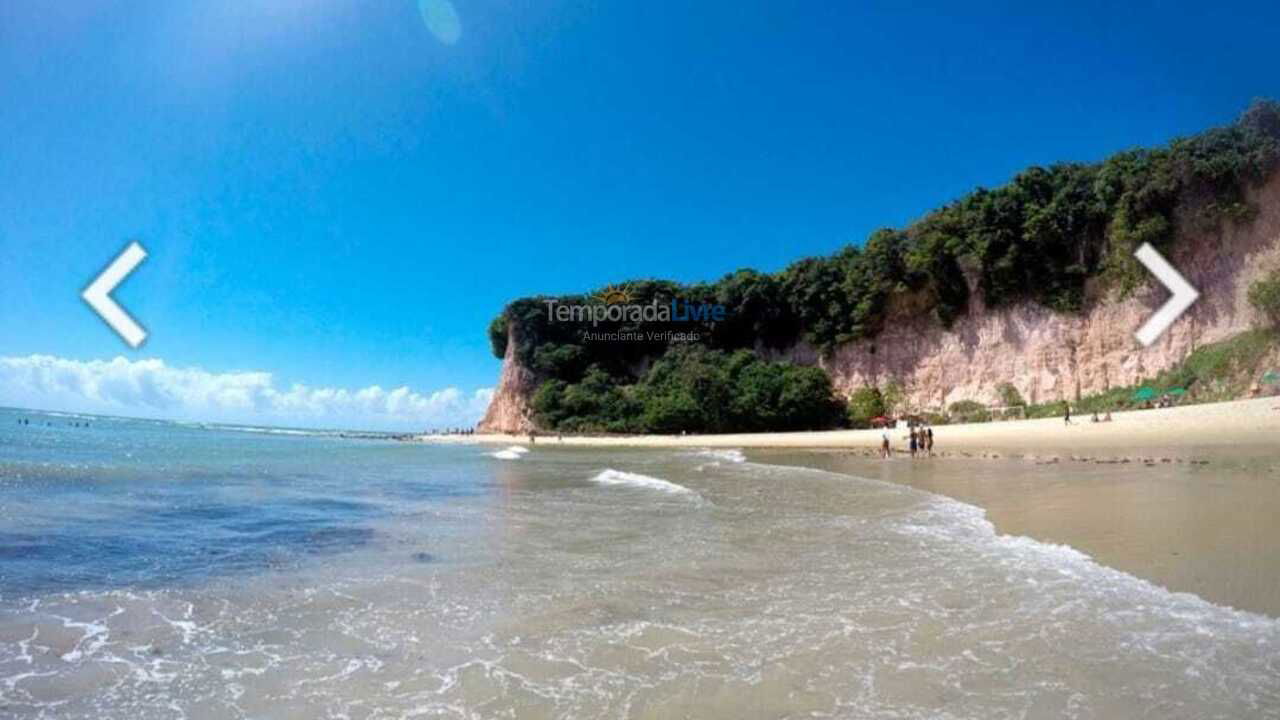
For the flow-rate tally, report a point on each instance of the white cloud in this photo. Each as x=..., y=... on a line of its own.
x=153, y=389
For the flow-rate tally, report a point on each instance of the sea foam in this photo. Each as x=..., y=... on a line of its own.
x=618, y=477
x=514, y=452
x=729, y=455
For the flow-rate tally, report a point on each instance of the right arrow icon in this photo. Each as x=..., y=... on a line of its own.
x=1183, y=295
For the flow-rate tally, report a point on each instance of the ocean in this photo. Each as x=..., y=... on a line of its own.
x=160, y=570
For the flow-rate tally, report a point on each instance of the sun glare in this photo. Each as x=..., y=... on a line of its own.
x=441, y=19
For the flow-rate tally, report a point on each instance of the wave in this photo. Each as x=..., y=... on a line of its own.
x=610, y=476
x=264, y=430
x=718, y=457
x=515, y=452
x=729, y=455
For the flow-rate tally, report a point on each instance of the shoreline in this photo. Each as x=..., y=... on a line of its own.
x=1181, y=497
x=1205, y=527
x=1161, y=434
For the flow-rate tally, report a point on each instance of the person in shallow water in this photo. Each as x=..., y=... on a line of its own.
x=914, y=442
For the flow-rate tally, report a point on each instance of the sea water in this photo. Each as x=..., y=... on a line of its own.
x=158, y=570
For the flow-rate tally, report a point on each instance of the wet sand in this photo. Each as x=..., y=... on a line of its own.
x=1211, y=529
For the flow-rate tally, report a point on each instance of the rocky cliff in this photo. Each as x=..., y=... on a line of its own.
x=509, y=410
x=1046, y=356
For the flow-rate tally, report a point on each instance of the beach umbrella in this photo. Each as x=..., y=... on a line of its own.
x=1144, y=393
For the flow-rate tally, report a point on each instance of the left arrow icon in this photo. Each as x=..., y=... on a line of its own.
x=98, y=295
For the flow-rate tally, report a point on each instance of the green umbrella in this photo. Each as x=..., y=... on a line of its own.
x=1177, y=391
x=1144, y=393
x=1271, y=377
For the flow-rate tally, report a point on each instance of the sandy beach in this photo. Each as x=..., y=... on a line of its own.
x=1139, y=433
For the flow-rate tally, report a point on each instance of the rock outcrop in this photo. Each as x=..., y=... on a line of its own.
x=1045, y=355
x=509, y=410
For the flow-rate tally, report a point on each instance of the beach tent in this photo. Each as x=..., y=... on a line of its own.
x=1143, y=394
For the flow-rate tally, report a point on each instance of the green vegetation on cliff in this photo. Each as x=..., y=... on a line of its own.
x=1057, y=236
x=693, y=389
x=1265, y=296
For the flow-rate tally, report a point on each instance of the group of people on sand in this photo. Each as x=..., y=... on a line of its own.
x=919, y=439
x=453, y=431
x=1066, y=418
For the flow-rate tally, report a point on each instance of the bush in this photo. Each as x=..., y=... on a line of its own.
x=893, y=396
x=692, y=389
x=865, y=405
x=1009, y=395
x=1221, y=370
x=562, y=362
x=595, y=404
x=1265, y=296
x=969, y=411
x=807, y=400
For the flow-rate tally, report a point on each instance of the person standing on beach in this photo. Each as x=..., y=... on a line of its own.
x=914, y=442
x=1066, y=419
x=930, y=441
x=885, y=451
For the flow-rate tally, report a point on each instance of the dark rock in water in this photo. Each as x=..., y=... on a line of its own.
x=424, y=557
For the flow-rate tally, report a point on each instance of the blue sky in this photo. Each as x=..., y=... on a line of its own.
x=335, y=196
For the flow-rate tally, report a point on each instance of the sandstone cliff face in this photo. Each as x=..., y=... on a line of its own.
x=509, y=410
x=1046, y=356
